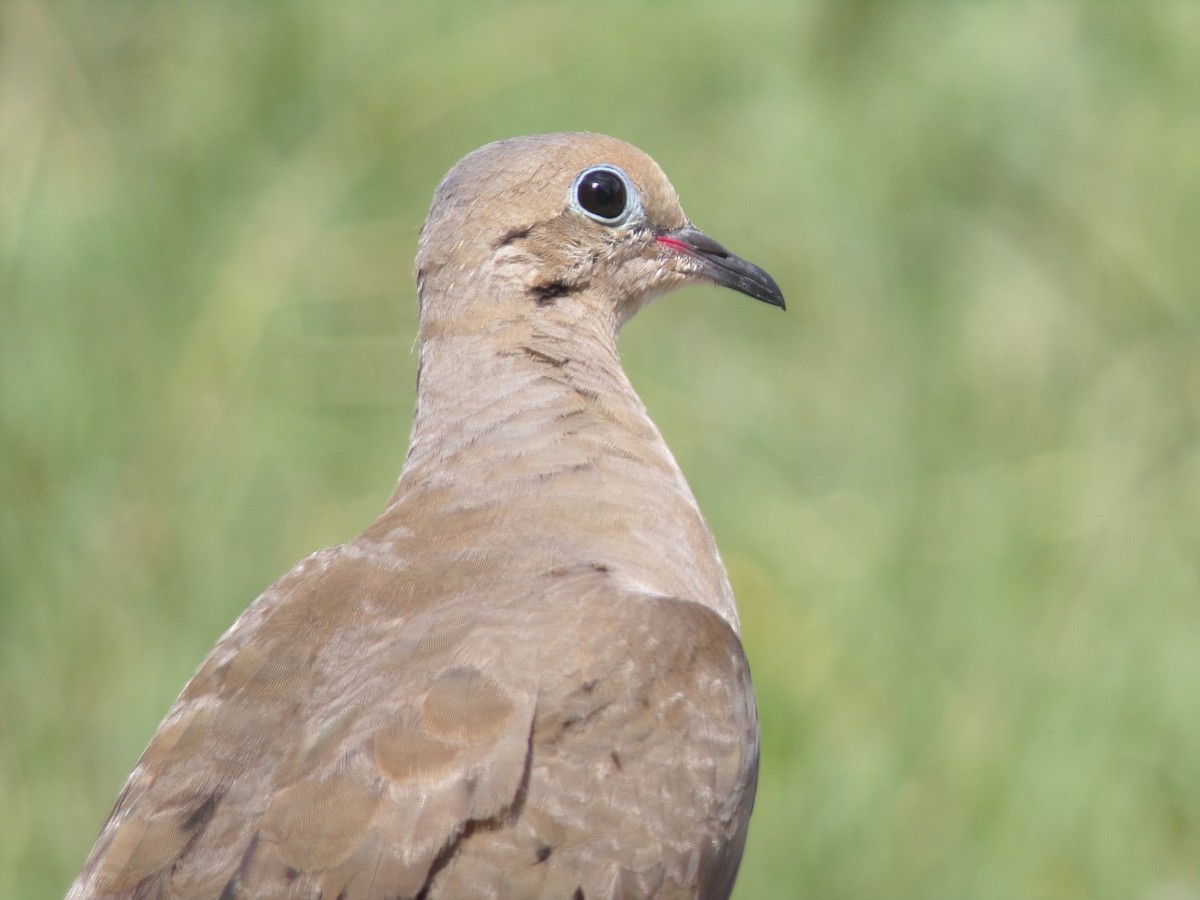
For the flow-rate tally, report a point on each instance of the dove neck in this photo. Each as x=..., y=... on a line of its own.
x=531, y=434
x=493, y=392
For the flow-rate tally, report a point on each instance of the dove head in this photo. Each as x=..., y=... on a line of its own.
x=564, y=225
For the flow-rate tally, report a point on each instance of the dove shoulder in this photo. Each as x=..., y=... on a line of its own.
x=529, y=740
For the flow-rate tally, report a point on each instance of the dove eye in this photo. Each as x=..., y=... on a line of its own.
x=603, y=194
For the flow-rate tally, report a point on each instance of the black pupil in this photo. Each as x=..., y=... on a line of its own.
x=602, y=194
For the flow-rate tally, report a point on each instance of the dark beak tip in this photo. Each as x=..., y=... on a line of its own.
x=773, y=296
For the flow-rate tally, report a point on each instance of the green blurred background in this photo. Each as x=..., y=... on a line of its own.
x=956, y=484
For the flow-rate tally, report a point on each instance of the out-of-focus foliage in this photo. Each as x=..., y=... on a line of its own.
x=957, y=485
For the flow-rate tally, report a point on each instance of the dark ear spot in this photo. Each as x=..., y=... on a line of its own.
x=549, y=292
x=515, y=235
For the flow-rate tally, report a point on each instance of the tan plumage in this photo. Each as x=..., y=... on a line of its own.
x=524, y=679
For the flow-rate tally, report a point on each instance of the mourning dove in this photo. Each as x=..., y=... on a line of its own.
x=525, y=678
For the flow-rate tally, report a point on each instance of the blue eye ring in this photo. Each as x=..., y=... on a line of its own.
x=605, y=194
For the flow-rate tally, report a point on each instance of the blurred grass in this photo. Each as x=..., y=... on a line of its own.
x=956, y=486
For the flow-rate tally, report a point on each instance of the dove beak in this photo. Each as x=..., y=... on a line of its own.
x=716, y=264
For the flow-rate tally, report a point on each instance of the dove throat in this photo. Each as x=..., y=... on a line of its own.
x=530, y=450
